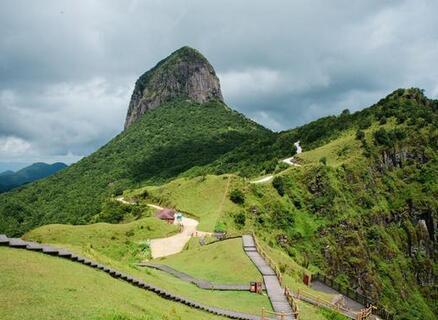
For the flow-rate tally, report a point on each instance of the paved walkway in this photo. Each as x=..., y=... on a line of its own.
x=34, y=246
x=203, y=284
x=275, y=291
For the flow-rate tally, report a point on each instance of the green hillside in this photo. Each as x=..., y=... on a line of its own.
x=164, y=143
x=37, y=286
x=363, y=207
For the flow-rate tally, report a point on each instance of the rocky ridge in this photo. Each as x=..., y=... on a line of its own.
x=186, y=74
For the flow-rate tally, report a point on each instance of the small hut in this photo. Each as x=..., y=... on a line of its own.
x=166, y=214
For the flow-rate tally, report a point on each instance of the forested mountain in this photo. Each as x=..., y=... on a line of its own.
x=39, y=170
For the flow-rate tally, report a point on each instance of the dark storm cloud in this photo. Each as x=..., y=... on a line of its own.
x=67, y=68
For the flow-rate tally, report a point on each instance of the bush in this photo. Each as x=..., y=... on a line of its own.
x=364, y=123
x=323, y=160
x=360, y=135
x=220, y=227
x=237, y=196
x=240, y=219
x=278, y=184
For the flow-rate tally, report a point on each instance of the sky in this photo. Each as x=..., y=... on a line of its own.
x=68, y=68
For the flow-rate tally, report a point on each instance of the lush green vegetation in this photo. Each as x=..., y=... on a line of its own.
x=204, y=197
x=178, y=138
x=361, y=208
x=37, y=286
x=366, y=216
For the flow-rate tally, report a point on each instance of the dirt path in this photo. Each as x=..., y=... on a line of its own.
x=166, y=246
x=291, y=161
x=264, y=179
x=122, y=200
x=163, y=247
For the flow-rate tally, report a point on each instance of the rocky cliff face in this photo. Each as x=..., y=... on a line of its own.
x=184, y=74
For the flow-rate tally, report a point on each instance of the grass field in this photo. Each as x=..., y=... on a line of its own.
x=99, y=245
x=120, y=242
x=222, y=262
x=343, y=149
x=204, y=197
x=37, y=286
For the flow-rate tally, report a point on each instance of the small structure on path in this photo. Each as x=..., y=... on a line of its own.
x=166, y=214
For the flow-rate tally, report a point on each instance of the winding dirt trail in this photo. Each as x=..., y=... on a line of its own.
x=290, y=161
x=164, y=247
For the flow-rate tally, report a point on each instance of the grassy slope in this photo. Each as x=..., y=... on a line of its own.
x=205, y=197
x=37, y=286
x=352, y=221
x=221, y=262
x=116, y=241
x=114, y=247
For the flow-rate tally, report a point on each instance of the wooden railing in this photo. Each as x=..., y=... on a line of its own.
x=292, y=302
x=278, y=315
x=365, y=313
x=289, y=296
x=378, y=309
x=320, y=302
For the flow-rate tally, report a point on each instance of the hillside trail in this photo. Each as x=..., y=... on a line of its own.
x=163, y=247
x=290, y=161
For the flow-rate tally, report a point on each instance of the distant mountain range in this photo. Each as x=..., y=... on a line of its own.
x=10, y=179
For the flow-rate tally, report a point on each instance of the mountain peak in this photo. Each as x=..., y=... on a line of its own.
x=186, y=73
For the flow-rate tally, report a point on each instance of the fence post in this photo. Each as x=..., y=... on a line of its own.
x=263, y=313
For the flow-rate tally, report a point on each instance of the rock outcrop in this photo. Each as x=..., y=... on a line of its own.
x=184, y=74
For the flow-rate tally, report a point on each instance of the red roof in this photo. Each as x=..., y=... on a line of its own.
x=166, y=214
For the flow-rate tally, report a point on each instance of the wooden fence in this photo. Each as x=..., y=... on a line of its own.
x=267, y=315
x=378, y=309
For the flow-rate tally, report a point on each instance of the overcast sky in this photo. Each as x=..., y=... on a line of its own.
x=67, y=68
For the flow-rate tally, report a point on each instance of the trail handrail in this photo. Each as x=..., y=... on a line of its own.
x=365, y=313
x=278, y=315
x=318, y=301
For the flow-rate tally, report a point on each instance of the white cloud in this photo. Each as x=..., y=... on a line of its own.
x=67, y=70
x=13, y=146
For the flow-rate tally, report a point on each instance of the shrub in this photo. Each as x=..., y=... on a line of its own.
x=323, y=160
x=237, y=196
x=278, y=184
x=220, y=227
x=240, y=219
x=360, y=135
x=364, y=123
